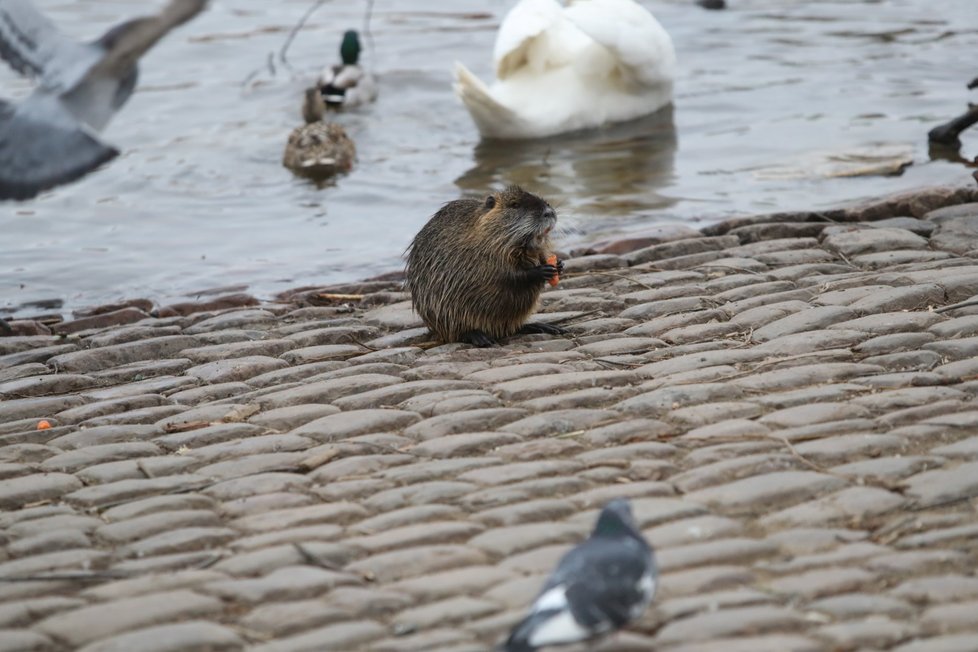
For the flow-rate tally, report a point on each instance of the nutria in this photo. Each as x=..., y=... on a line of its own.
x=477, y=268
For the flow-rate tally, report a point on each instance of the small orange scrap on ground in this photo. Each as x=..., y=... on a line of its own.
x=43, y=424
x=555, y=279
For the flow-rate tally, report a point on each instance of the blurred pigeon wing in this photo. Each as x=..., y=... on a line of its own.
x=641, y=45
x=35, y=48
x=518, y=31
x=37, y=154
x=134, y=38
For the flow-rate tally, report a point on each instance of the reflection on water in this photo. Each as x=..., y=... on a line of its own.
x=199, y=198
x=614, y=171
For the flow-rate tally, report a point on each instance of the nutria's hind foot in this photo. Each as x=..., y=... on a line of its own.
x=477, y=338
x=538, y=327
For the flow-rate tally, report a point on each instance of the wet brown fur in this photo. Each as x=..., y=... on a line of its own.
x=468, y=267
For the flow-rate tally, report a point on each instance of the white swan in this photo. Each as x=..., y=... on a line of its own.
x=560, y=69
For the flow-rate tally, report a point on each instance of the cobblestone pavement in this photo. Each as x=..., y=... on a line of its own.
x=789, y=405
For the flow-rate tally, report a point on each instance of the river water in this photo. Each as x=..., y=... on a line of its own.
x=771, y=97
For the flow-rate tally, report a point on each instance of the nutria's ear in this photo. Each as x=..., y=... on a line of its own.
x=490, y=202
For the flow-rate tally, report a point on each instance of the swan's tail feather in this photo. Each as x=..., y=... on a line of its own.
x=490, y=116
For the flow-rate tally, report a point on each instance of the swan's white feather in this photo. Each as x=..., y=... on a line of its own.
x=485, y=110
x=561, y=69
x=518, y=39
x=639, y=45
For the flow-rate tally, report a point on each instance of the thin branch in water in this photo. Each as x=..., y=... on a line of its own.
x=283, y=51
x=366, y=26
x=295, y=30
x=251, y=76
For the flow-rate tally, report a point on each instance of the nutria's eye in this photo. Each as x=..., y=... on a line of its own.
x=490, y=202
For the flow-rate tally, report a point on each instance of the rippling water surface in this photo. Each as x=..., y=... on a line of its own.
x=770, y=94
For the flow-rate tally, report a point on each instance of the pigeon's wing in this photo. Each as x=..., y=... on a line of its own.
x=40, y=150
x=607, y=581
x=519, y=32
x=35, y=48
x=127, y=42
x=641, y=46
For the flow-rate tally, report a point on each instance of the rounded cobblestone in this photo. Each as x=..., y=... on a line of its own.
x=789, y=406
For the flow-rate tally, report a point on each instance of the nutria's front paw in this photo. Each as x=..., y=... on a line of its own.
x=560, y=266
x=543, y=273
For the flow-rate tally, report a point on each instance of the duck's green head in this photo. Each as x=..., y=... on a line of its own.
x=350, y=48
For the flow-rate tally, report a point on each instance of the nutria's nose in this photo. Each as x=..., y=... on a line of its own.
x=549, y=213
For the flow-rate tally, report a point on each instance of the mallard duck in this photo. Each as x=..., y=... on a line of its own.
x=319, y=150
x=563, y=68
x=51, y=138
x=347, y=84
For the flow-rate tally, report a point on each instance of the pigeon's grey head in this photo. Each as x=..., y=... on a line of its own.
x=615, y=519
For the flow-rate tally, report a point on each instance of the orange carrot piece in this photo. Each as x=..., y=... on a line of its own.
x=555, y=279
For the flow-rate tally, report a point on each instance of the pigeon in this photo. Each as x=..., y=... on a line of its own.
x=598, y=587
x=51, y=138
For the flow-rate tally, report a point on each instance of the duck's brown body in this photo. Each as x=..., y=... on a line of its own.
x=319, y=150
